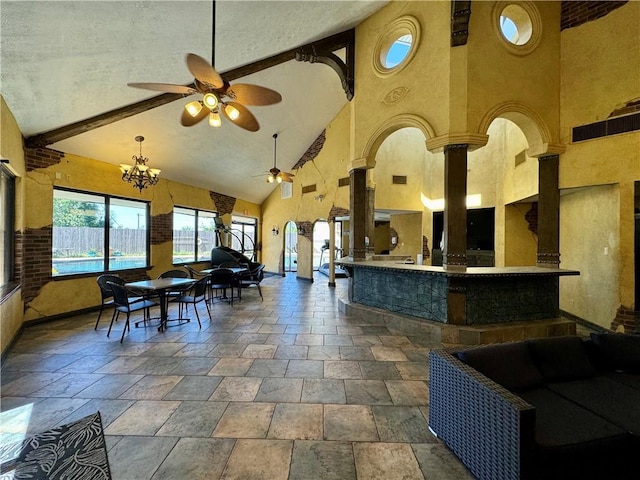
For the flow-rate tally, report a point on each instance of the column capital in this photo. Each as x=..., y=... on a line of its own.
x=546, y=150
x=360, y=164
x=472, y=140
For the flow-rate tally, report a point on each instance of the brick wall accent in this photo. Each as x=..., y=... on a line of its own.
x=36, y=267
x=426, y=254
x=337, y=212
x=313, y=151
x=308, y=229
x=628, y=319
x=41, y=158
x=576, y=13
x=224, y=203
x=161, y=228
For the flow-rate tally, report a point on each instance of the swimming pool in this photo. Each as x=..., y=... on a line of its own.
x=88, y=265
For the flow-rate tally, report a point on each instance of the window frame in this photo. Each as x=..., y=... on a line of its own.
x=197, y=212
x=107, y=213
x=8, y=178
x=252, y=221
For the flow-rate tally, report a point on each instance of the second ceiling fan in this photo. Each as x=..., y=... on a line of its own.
x=219, y=98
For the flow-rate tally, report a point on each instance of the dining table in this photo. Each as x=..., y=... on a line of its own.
x=161, y=286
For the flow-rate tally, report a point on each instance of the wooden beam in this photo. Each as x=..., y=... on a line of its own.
x=41, y=140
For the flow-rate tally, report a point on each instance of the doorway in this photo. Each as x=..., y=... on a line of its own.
x=291, y=247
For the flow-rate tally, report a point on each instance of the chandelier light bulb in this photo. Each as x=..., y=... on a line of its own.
x=193, y=108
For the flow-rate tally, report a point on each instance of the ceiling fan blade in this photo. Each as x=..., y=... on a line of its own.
x=164, y=87
x=248, y=94
x=286, y=177
x=203, y=71
x=188, y=121
x=245, y=119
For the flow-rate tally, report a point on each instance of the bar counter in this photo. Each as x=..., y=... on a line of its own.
x=475, y=296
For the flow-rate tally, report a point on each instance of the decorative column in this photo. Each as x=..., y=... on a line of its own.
x=548, y=212
x=359, y=206
x=332, y=252
x=454, y=252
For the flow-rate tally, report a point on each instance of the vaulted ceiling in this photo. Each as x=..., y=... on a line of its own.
x=68, y=62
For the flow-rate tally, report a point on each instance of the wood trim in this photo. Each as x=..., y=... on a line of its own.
x=41, y=140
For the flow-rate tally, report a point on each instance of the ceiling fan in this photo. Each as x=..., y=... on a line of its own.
x=218, y=96
x=275, y=174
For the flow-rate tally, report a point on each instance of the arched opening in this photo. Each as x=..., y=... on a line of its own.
x=290, y=247
x=320, y=243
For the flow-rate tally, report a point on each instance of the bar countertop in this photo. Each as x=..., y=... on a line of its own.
x=524, y=271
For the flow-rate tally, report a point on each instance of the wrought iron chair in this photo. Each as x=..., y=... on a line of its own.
x=251, y=278
x=223, y=279
x=196, y=294
x=123, y=303
x=106, y=293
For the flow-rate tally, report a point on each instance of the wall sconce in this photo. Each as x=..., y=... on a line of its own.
x=275, y=231
x=300, y=230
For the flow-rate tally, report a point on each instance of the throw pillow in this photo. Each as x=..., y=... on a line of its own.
x=561, y=358
x=619, y=351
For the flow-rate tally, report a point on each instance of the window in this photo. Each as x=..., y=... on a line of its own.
x=194, y=235
x=98, y=233
x=7, y=208
x=243, y=235
x=519, y=26
x=396, y=46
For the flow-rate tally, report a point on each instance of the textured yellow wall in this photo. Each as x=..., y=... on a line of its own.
x=11, y=315
x=589, y=242
x=95, y=176
x=324, y=171
x=520, y=243
x=409, y=227
x=600, y=65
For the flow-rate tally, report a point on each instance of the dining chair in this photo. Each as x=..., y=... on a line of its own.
x=106, y=293
x=223, y=279
x=196, y=294
x=251, y=278
x=124, y=303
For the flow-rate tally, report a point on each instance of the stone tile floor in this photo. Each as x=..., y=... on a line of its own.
x=285, y=388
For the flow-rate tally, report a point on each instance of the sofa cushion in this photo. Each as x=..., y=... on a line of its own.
x=630, y=379
x=614, y=401
x=562, y=423
x=618, y=351
x=561, y=358
x=508, y=364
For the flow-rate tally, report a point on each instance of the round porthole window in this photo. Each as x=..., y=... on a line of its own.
x=518, y=25
x=396, y=47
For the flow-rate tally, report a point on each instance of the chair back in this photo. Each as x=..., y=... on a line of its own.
x=221, y=278
x=174, y=274
x=200, y=287
x=120, y=296
x=105, y=288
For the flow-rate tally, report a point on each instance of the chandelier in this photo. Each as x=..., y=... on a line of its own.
x=139, y=174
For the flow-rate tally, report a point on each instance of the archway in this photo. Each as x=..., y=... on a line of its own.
x=290, y=247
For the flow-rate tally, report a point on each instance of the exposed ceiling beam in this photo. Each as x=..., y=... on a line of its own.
x=40, y=140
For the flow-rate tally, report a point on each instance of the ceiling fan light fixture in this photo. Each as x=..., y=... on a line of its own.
x=279, y=178
x=270, y=178
x=193, y=108
x=232, y=112
x=215, y=120
x=210, y=100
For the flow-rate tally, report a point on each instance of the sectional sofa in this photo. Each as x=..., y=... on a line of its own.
x=548, y=408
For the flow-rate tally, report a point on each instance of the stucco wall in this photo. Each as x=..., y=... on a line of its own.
x=589, y=242
x=11, y=315
x=92, y=175
x=600, y=65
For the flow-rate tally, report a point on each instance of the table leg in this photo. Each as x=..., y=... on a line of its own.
x=163, y=310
